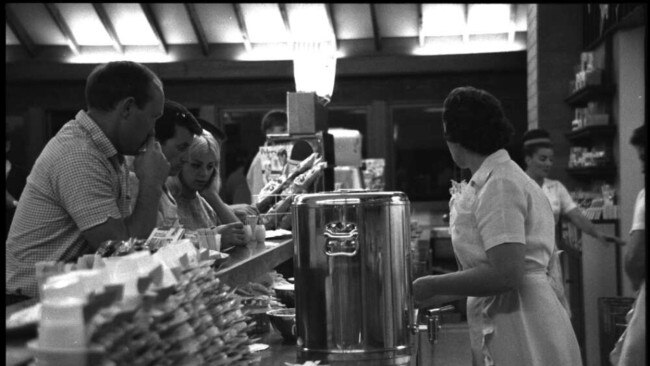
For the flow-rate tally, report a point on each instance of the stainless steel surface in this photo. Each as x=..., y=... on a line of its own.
x=431, y=328
x=353, y=283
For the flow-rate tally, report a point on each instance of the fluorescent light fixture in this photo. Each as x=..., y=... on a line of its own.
x=314, y=68
x=488, y=18
x=443, y=19
x=100, y=57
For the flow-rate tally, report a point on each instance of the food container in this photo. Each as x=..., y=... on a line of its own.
x=352, y=278
x=284, y=321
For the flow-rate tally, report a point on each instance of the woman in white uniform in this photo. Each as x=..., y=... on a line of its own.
x=502, y=232
x=631, y=347
x=538, y=155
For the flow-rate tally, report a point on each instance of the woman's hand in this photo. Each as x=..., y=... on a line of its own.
x=232, y=234
x=212, y=188
x=242, y=210
x=613, y=239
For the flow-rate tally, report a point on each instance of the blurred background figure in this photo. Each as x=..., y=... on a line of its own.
x=631, y=347
x=274, y=122
x=538, y=156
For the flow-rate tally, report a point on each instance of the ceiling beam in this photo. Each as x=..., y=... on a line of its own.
x=19, y=31
x=285, y=19
x=513, y=23
x=421, y=25
x=108, y=25
x=63, y=27
x=155, y=27
x=242, y=26
x=329, y=9
x=375, y=27
x=466, y=28
x=198, y=29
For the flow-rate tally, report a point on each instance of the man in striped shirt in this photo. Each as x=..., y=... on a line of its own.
x=77, y=194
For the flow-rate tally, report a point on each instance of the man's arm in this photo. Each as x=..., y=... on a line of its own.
x=635, y=266
x=151, y=168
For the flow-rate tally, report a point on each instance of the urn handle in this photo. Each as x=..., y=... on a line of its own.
x=341, y=239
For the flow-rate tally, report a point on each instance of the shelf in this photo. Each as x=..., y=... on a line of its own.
x=590, y=92
x=606, y=171
x=590, y=132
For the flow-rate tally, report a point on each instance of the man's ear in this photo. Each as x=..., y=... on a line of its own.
x=126, y=107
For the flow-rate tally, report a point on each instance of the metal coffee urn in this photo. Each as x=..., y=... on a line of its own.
x=352, y=276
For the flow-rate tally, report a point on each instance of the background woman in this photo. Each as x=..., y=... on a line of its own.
x=193, y=189
x=503, y=236
x=538, y=155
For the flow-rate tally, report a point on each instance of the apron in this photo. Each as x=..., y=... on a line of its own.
x=525, y=327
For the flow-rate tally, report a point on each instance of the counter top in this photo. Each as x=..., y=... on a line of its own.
x=242, y=266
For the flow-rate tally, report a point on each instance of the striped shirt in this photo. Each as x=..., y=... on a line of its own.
x=78, y=182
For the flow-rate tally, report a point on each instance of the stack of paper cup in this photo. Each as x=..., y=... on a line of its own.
x=66, y=285
x=62, y=324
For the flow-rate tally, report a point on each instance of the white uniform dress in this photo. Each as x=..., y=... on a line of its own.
x=630, y=349
x=561, y=204
x=501, y=204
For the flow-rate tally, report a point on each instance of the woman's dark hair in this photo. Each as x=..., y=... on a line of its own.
x=474, y=119
x=276, y=117
x=110, y=83
x=536, y=139
x=639, y=138
x=175, y=114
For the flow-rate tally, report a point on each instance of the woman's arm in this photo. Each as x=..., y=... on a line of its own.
x=635, y=266
x=503, y=272
x=578, y=219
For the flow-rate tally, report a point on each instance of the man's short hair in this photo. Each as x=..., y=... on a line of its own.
x=112, y=82
x=276, y=117
x=175, y=114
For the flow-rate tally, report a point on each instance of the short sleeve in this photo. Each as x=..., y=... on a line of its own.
x=86, y=189
x=566, y=202
x=638, y=220
x=501, y=213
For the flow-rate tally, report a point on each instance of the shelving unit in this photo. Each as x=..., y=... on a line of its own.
x=581, y=97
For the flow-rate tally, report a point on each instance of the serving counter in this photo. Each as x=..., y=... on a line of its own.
x=242, y=266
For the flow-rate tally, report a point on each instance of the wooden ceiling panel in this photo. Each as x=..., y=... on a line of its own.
x=397, y=20
x=219, y=23
x=38, y=24
x=174, y=23
x=85, y=24
x=131, y=24
x=353, y=21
